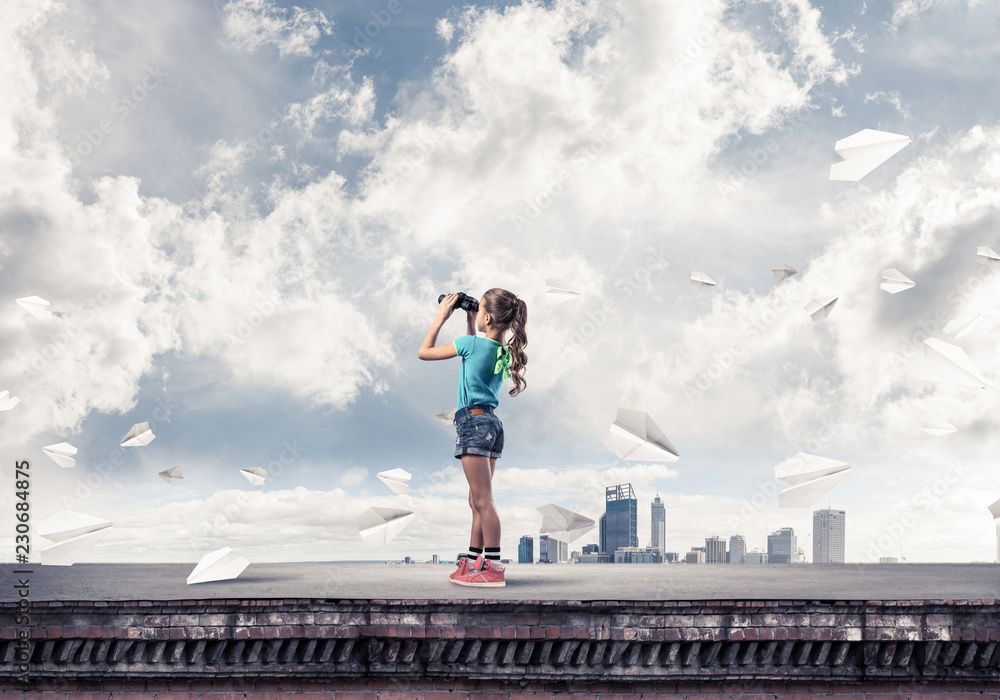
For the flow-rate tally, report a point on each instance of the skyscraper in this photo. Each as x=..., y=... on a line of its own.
x=828, y=536
x=782, y=547
x=659, y=520
x=621, y=515
x=526, y=550
x=602, y=536
x=715, y=550
x=737, y=549
x=551, y=551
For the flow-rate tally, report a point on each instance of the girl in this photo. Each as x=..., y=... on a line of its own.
x=486, y=362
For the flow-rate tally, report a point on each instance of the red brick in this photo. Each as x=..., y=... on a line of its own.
x=399, y=695
x=530, y=696
x=356, y=695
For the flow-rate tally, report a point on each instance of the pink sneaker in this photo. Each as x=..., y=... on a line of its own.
x=485, y=573
x=461, y=569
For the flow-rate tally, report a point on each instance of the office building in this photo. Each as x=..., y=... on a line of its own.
x=407, y=560
x=755, y=557
x=590, y=549
x=737, y=549
x=671, y=557
x=602, y=532
x=782, y=547
x=715, y=550
x=434, y=559
x=526, y=550
x=828, y=536
x=695, y=556
x=658, y=513
x=638, y=555
x=551, y=551
x=888, y=560
x=597, y=558
x=621, y=515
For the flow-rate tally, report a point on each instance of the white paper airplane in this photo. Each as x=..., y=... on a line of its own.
x=635, y=437
x=811, y=477
x=171, y=475
x=139, y=436
x=255, y=475
x=939, y=428
x=995, y=510
x=946, y=364
x=396, y=480
x=378, y=526
x=864, y=151
x=700, y=279
x=960, y=327
x=446, y=417
x=7, y=401
x=72, y=533
x=985, y=254
x=559, y=290
x=219, y=565
x=894, y=281
x=61, y=453
x=783, y=272
x=819, y=309
x=562, y=524
x=36, y=306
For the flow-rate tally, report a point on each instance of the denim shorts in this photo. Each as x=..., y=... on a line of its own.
x=478, y=434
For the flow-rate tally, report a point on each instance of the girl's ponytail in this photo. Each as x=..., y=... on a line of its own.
x=511, y=314
x=518, y=341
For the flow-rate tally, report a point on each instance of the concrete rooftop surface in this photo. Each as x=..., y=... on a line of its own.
x=108, y=582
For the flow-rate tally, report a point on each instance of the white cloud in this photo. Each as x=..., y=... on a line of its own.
x=252, y=24
x=354, y=476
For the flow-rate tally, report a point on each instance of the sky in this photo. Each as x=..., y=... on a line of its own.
x=243, y=212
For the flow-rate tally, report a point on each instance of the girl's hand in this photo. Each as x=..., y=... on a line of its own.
x=446, y=307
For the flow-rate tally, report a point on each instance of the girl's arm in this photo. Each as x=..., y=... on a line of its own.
x=427, y=349
x=470, y=323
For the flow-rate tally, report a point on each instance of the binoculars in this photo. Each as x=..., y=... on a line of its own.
x=464, y=302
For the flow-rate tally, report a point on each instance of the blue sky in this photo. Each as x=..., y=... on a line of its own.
x=283, y=213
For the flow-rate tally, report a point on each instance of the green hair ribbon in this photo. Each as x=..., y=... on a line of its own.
x=503, y=362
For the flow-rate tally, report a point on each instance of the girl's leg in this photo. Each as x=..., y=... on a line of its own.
x=476, y=539
x=479, y=473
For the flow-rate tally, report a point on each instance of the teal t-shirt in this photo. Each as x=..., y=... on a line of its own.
x=477, y=384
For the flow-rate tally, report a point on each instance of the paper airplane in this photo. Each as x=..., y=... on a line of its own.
x=559, y=290
x=864, y=151
x=73, y=534
x=995, y=510
x=946, y=364
x=985, y=254
x=36, y=306
x=811, y=477
x=61, y=453
x=256, y=475
x=379, y=525
x=7, y=401
x=563, y=525
x=446, y=417
x=171, y=475
x=219, y=565
x=820, y=308
x=700, y=279
x=939, y=428
x=783, y=272
x=396, y=480
x=894, y=281
x=961, y=327
x=635, y=437
x=139, y=436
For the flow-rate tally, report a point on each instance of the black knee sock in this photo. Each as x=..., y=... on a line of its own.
x=474, y=552
x=493, y=553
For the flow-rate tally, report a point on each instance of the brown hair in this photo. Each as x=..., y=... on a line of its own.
x=509, y=312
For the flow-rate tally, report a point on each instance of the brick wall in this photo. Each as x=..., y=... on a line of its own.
x=465, y=689
x=842, y=647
